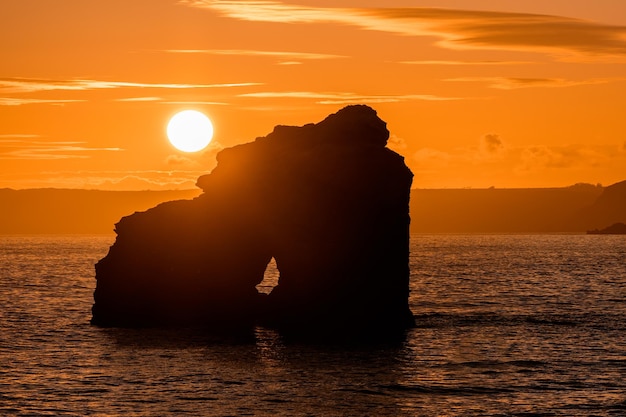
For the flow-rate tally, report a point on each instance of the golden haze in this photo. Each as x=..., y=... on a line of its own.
x=476, y=93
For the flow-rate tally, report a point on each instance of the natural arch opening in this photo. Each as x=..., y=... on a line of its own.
x=270, y=278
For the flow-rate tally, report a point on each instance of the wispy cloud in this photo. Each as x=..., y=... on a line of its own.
x=397, y=143
x=142, y=180
x=522, y=160
x=255, y=53
x=19, y=148
x=112, y=180
x=194, y=103
x=346, y=98
x=17, y=135
x=11, y=101
x=140, y=99
x=500, y=30
x=454, y=28
x=161, y=100
x=513, y=83
x=537, y=158
x=490, y=149
x=465, y=63
x=268, y=11
x=30, y=85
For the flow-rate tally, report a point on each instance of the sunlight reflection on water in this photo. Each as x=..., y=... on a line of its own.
x=506, y=324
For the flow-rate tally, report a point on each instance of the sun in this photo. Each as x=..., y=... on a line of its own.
x=190, y=131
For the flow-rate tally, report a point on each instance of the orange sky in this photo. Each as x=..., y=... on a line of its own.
x=476, y=93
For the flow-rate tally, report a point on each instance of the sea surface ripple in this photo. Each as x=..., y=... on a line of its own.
x=526, y=325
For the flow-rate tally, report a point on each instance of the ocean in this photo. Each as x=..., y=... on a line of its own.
x=509, y=325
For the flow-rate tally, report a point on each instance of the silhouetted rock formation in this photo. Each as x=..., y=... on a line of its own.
x=328, y=201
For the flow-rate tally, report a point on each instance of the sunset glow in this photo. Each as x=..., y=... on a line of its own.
x=475, y=93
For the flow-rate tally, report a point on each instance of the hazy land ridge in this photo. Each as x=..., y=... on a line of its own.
x=577, y=208
x=573, y=209
x=60, y=211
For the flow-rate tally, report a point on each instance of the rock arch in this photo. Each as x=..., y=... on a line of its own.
x=328, y=201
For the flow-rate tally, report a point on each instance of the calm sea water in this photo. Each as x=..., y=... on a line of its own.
x=507, y=325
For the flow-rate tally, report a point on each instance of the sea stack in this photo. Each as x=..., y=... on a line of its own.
x=328, y=201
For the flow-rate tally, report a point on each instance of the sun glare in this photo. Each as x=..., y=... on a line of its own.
x=190, y=131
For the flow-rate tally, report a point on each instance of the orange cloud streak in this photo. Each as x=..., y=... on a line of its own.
x=29, y=85
x=456, y=28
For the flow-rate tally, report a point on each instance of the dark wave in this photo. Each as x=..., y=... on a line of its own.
x=607, y=321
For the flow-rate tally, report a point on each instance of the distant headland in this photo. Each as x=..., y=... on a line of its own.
x=574, y=209
x=614, y=229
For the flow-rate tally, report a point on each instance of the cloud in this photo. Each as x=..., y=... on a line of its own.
x=537, y=158
x=454, y=28
x=42, y=150
x=175, y=160
x=461, y=29
x=525, y=159
x=255, y=53
x=31, y=85
x=136, y=182
x=17, y=135
x=178, y=179
x=491, y=144
x=346, y=98
x=534, y=163
x=217, y=103
x=490, y=149
x=133, y=180
x=205, y=159
x=512, y=83
x=464, y=63
x=433, y=156
x=396, y=143
x=269, y=11
x=139, y=99
x=8, y=101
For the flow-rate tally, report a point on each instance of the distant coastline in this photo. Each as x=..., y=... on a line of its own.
x=75, y=211
x=575, y=209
